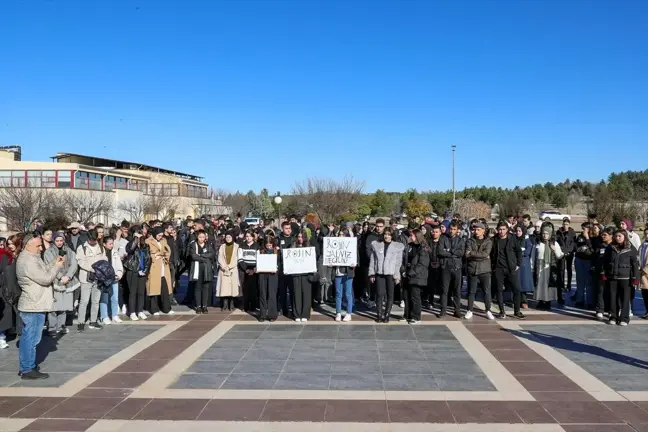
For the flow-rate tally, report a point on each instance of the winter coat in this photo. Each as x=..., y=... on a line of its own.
x=512, y=251
x=526, y=269
x=621, y=263
x=452, y=250
x=35, y=280
x=478, y=256
x=103, y=274
x=160, y=254
x=8, y=277
x=418, y=265
x=389, y=264
x=228, y=284
x=64, y=294
x=566, y=240
x=202, y=260
x=86, y=256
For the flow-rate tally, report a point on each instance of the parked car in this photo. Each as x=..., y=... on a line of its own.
x=553, y=215
x=252, y=221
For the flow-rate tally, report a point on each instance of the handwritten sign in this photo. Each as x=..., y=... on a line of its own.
x=340, y=251
x=266, y=263
x=299, y=260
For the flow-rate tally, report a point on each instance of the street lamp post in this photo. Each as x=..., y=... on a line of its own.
x=454, y=190
x=278, y=200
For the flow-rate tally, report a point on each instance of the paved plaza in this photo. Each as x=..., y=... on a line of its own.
x=556, y=371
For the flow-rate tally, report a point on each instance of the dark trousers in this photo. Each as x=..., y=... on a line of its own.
x=136, y=292
x=504, y=279
x=268, y=284
x=566, y=264
x=384, y=293
x=301, y=297
x=283, y=294
x=413, y=302
x=451, y=280
x=484, y=281
x=434, y=285
x=624, y=289
x=202, y=291
x=123, y=291
x=250, y=292
x=361, y=282
x=161, y=303
x=602, y=296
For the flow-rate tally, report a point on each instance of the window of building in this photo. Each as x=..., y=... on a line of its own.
x=109, y=183
x=64, y=180
x=48, y=179
x=81, y=180
x=95, y=181
x=120, y=183
x=5, y=178
x=18, y=179
x=34, y=179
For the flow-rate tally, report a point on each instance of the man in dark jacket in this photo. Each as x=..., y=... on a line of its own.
x=451, y=250
x=506, y=259
x=284, y=241
x=478, y=249
x=566, y=238
x=434, y=285
x=373, y=236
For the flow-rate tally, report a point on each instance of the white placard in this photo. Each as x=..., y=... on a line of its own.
x=340, y=251
x=266, y=263
x=299, y=260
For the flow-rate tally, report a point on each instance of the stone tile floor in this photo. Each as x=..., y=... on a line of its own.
x=615, y=355
x=69, y=355
x=332, y=357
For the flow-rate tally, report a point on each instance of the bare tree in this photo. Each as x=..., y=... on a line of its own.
x=135, y=209
x=162, y=207
x=238, y=202
x=330, y=198
x=86, y=207
x=19, y=206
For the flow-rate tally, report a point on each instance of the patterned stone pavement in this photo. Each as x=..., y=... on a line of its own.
x=558, y=371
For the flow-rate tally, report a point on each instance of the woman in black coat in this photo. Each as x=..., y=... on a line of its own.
x=268, y=284
x=418, y=262
x=301, y=285
x=621, y=273
x=247, y=253
x=201, y=271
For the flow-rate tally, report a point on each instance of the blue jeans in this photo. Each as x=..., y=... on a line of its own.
x=31, y=336
x=113, y=298
x=346, y=283
x=584, y=286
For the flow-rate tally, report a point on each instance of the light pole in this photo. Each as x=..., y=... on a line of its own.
x=277, y=201
x=454, y=190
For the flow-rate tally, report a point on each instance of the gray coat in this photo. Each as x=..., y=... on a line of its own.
x=390, y=264
x=63, y=301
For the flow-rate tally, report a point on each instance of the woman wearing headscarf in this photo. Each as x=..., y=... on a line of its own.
x=159, y=285
x=64, y=284
x=545, y=257
x=228, y=286
x=525, y=274
x=201, y=271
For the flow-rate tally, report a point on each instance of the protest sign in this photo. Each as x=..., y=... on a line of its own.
x=299, y=260
x=340, y=251
x=266, y=263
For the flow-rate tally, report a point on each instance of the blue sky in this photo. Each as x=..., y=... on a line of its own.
x=253, y=94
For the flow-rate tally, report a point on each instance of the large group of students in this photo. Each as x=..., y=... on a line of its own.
x=103, y=275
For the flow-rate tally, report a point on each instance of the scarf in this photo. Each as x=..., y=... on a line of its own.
x=547, y=249
x=229, y=251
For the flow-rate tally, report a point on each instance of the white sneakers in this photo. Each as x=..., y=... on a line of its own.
x=142, y=315
x=3, y=344
x=599, y=315
x=338, y=317
x=123, y=310
x=402, y=304
x=347, y=317
x=301, y=320
x=106, y=321
x=116, y=319
x=133, y=317
x=156, y=314
x=468, y=315
x=623, y=324
x=489, y=315
x=171, y=312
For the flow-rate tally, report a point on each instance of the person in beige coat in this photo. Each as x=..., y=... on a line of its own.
x=159, y=286
x=228, y=286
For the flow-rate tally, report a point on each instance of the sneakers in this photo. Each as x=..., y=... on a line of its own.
x=34, y=375
x=338, y=317
x=623, y=324
x=3, y=344
x=468, y=315
x=612, y=321
x=415, y=322
x=347, y=317
x=489, y=315
x=116, y=320
x=297, y=319
x=402, y=304
x=156, y=314
x=95, y=326
x=123, y=310
x=520, y=316
x=304, y=319
x=171, y=312
x=403, y=320
x=106, y=321
x=141, y=316
x=133, y=317
x=81, y=328
x=599, y=315
x=501, y=315
x=65, y=330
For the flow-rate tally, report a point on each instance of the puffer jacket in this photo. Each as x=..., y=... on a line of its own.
x=621, y=263
x=389, y=264
x=452, y=251
x=478, y=256
x=86, y=256
x=417, y=266
x=35, y=281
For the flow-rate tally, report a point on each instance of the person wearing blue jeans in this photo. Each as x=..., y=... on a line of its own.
x=35, y=279
x=343, y=285
x=110, y=298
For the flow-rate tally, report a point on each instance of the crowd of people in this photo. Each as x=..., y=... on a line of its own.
x=101, y=275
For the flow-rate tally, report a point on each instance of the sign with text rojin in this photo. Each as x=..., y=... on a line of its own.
x=299, y=260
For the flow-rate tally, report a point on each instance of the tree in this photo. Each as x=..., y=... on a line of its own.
x=469, y=208
x=261, y=205
x=418, y=208
x=87, y=206
x=330, y=198
x=381, y=204
x=19, y=206
x=512, y=205
x=163, y=207
x=135, y=209
x=559, y=198
x=238, y=202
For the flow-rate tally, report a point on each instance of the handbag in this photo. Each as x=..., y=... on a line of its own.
x=132, y=262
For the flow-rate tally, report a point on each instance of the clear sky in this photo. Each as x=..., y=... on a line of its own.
x=253, y=94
